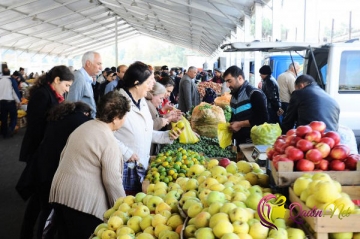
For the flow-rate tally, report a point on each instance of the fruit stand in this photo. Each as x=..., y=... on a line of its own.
x=202, y=191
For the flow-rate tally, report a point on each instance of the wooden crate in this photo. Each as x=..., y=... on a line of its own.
x=322, y=226
x=285, y=175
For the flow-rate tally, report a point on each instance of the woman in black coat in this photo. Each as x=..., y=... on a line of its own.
x=62, y=121
x=47, y=92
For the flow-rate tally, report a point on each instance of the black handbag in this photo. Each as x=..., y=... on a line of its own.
x=26, y=186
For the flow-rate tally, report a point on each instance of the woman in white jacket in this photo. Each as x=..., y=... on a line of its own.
x=137, y=134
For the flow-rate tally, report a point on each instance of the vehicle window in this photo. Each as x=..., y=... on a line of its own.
x=349, y=71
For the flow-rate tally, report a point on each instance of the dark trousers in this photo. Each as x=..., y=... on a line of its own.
x=273, y=117
x=45, y=211
x=30, y=217
x=8, y=108
x=73, y=223
x=284, y=106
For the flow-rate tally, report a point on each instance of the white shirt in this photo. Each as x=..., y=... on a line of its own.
x=286, y=82
x=6, y=90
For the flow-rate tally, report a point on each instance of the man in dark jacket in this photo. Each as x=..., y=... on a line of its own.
x=310, y=103
x=248, y=105
x=271, y=90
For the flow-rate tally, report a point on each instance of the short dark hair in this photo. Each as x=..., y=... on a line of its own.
x=138, y=71
x=308, y=79
x=112, y=105
x=167, y=81
x=21, y=69
x=234, y=71
x=65, y=108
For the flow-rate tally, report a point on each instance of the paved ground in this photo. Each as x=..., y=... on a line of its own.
x=12, y=207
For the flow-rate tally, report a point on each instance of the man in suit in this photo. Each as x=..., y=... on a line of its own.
x=81, y=89
x=188, y=92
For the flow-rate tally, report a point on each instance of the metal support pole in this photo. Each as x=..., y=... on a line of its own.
x=116, y=41
x=304, y=20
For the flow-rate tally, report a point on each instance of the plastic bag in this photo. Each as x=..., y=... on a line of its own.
x=187, y=136
x=265, y=134
x=224, y=135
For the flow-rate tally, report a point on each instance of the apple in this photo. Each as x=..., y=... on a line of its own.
x=279, y=145
x=270, y=152
x=278, y=158
x=108, y=234
x=305, y=165
x=334, y=135
x=291, y=132
x=294, y=153
x=318, y=126
x=301, y=184
x=205, y=232
x=351, y=161
x=288, y=148
x=314, y=155
x=295, y=233
x=322, y=165
x=313, y=136
x=221, y=228
x=304, y=145
x=323, y=148
x=340, y=152
x=337, y=165
x=289, y=138
x=329, y=141
x=302, y=130
x=224, y=162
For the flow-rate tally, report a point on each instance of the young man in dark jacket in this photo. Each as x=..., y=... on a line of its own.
x=248, y=105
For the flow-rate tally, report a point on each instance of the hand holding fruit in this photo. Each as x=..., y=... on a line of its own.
x=133, y=158
x=175, y=133
x=235, y=126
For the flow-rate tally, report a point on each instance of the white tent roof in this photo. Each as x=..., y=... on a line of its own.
x=72, y=27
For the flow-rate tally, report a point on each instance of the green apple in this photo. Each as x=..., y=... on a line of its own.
x=115, y=222
x=252, y=178
x=173, y=203
x=129, y=199
x=215, y=207
x=212, y=163
x=230, y=236
x=239, y=204
x=280, y=223
x=210, y=181
x=341, y=235
x=245, y=183
x=109, y=212
x=195, y=170
x=257, y=230
x=232, y=168
x=253, y=200
x=141, y=211
x=238, y=196
x=134, y=223
x=146, y=199
x=146, y=222
x=217, y=187
x=220, y=178
x=191, y=184
x=204, y=193
x=204, y=232
x=144, y=235
x=295, y=233
x=174, y=221
x=263, y=179
x=222, y=227
x=227, y=207
x=176, y=193
x=256, y=189
x=150, y=230
x=326, y=191
x=229, y=184
x=139, y=197
x=280, y=233
x=167, y=234
x=153, y=202
x=345, y=204
x=218, y=170
x=220, y=216
x=161, y=192
x=321, y=176
x=159, y=185
x=101, y=225
x=108, y=234
x=158, y=219
x=161, y=207
x=301, y=184
x=215, y=196
x=124, y=207
x=189, y=231
x=202, y=220
x=304, y=195
x=150, y=189
x=241, y=227
x=244, y=166
x=194, y=209
x=160, y=228
x=238, y=214
x=100, y=232
x=118, y=202
x=125, y=230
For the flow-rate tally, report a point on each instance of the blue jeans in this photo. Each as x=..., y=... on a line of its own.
x=8, y=108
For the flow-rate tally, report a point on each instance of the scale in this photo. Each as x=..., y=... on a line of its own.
x=259, y=154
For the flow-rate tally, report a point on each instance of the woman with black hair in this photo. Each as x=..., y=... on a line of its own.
x=47, y=92
x=62, y=121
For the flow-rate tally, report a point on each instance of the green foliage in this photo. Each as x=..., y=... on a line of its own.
x=227, y=113
x=208, y=146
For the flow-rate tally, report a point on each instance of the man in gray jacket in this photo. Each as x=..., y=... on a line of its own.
x=188, y=93
x=81, y=89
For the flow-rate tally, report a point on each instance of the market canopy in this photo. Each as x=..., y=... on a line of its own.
x=72, y=27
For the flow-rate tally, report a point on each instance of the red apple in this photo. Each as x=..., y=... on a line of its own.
x=334, y=135
x=279, y=145
x=318, y=126
x=295, y=140
x=323, y=165
x=290, y=138
x=323, y=148
x=294, y=154
x=288, y=148
x=291, y=132
x=313, y=136
x=270, y=152
x=304, y=145
x=314, y=155
x=224, y=162
x=340, y=152
x=337, y=165
x=302, y=130
x=351, y=161
x=329, y=141
x=305, y=165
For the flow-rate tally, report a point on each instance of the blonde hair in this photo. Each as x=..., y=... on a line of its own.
x=158, y=89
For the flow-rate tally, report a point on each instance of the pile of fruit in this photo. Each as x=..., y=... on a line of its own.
x=211, y=202
x=321, y=192
x=168, y=166
x=312, y=149
x=209, y=147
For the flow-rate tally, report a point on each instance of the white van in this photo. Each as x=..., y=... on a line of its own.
x=335, y=67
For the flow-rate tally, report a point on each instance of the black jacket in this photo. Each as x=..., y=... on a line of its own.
x=271, y=90
x=311, y=104
x=41, y=101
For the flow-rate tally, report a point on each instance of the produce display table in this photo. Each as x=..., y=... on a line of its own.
x=246, y=150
